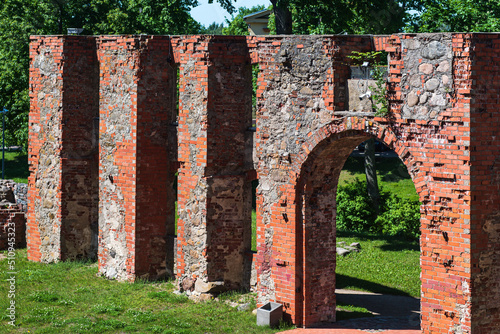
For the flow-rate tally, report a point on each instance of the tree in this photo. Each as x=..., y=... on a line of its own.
x=371, y=174
x=214, y=29
x=282, y=17
x=18, y=20
x=21, y=18
x=452, y=15
x=237, y=25
x=337, y=16
x=281, y=9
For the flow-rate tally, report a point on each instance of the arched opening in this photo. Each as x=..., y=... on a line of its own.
x=316, y=215
x=377, y=267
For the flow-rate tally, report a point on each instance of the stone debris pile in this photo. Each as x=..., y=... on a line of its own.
x=343, y=249
x=12, y=214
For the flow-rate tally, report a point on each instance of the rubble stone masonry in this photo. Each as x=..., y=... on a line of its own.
x=114, y=118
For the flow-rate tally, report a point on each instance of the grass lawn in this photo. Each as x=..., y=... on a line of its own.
x=68, y=297
x=16, y=166
x=385, y=264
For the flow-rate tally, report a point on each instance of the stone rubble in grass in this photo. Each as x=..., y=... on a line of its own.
x=343, y=249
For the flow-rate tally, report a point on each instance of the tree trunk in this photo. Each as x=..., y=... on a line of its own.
x=60, y=6
x=371, y=174
x=282, y=17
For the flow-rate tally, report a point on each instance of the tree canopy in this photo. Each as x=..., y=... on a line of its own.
x=238, y=26
x=381, y=16
x=337, y=16
x=214, y=29
x=453, y=15
x=21, y=18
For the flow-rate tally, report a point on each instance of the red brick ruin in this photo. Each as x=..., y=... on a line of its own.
x=114, y=118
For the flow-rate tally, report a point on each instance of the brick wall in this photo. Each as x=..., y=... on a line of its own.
x=12, y=215
x=443, y=125
x=484, y=85
x=62, y=210
x=214, y=191
x=12, y=220
x=137, y=155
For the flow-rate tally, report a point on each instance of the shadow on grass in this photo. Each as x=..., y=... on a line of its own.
x=346, y=315
x=393, y=243
x=389, y=169
x=348, y=282
x=16, y=166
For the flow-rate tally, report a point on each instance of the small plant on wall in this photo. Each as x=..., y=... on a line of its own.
x=371, y=60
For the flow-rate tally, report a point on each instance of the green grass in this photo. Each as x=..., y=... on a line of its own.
x=392, y=175
x=16, y=166
x=68, y=297
x=387, y=265
x=345, y=312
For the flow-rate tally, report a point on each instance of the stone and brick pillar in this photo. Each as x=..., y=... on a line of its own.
x=295, y=204
x=63, y=155
x=137, y=157
x=214, y=195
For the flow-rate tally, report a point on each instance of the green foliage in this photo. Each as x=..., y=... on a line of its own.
x=107, y=308
x=255, y=77
x=356, y=213
x=214, y=29
x=372, y=57
x=400, y=217
x=237, y=26
x=346, y=311
x=379, y=98
x=271, y=24
x=453, y=15
x=378, y=73
x=392, y=175
x=44, y=296
x=226, y=4
x=18, y=19
x=168, y=297
x=354, y=208
x=133, y=17
x=21, y=18
x=351, y=17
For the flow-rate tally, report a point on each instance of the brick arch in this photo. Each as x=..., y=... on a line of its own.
x=351, y=126
x=316, y=171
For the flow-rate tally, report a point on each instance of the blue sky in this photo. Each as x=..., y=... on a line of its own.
x=207, y=13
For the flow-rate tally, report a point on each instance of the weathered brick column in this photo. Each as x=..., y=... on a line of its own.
x=62, y=206
x=484, y=81
x=214, y=193
x=137, y=154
